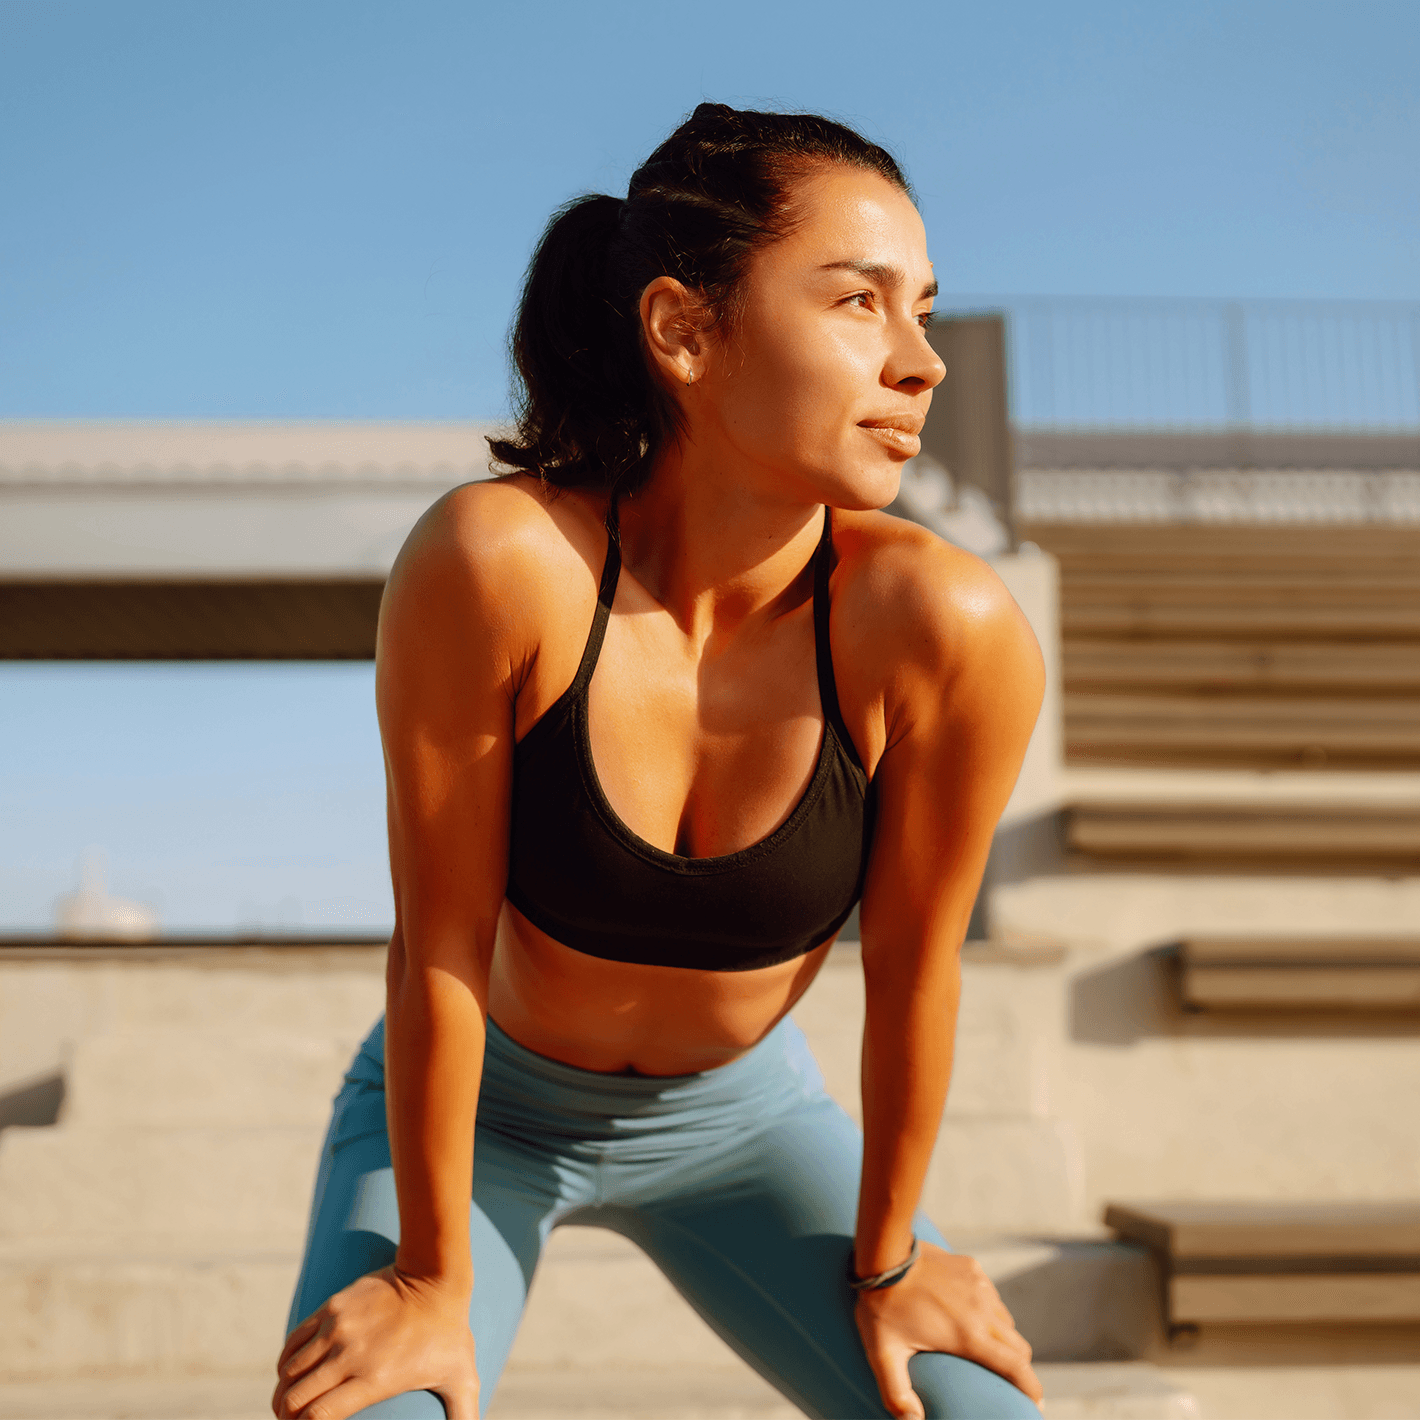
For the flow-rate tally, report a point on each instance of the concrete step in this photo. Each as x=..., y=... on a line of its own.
x=1304, y=1389
x=302, y=991
x=1298, y=835
x=1305, y=667
x=1114, y=1390
x=139, y=1308
x=174, y=1078
x=55, y=998
x=1084, y=1392
x=1250, y=731
x=242, y=1397
x=64, y=1182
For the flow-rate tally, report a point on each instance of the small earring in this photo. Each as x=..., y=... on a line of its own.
x=690, y=378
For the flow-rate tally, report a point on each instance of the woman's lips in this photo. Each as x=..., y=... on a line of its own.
x=898, y=440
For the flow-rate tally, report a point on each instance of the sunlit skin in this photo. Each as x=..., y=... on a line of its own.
x=705, y=727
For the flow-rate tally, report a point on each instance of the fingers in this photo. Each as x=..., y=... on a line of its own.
x=894, y=1384
x=342, y=1402
x=297, y=1365
x=301, y=1391
x=299, y=1336
x=310, y=1355
x=1006, y=1333
x=1000, y=1346
x=1010, y=1361
x=461, y=1403
x=1021, y=1374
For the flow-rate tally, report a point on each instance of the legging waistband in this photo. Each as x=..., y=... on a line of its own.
x=523, y=1088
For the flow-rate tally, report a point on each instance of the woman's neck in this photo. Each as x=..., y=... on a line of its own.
x=715, y=552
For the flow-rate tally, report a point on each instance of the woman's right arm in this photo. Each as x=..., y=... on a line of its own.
x=455, y=642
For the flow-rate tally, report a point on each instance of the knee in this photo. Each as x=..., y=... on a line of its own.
x=953, y=1388
x=413, y=1405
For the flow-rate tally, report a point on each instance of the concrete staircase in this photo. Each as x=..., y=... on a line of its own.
x=1250, y=646
x=154, y=1229
x=149, y=1238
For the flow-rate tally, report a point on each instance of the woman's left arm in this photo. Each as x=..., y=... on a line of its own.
x=962, y=697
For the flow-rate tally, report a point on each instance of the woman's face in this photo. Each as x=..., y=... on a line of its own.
x=821, y=387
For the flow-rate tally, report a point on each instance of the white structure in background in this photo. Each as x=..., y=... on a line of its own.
x=91, y=913
x=964, y=516
x=83, y=499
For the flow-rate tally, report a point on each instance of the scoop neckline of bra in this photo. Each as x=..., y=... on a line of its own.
x=718, y=862
x=579, y=708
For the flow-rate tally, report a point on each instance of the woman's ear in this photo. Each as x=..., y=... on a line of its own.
x=670, y=318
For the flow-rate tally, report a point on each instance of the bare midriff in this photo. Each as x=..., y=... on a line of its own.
x=618, y=1017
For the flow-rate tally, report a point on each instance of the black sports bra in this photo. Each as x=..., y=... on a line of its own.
x=578, y=873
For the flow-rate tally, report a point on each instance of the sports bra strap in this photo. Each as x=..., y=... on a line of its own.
x=823, y=650
x=606, y=595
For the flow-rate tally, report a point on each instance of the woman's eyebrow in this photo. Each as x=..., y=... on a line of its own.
x=889, y=277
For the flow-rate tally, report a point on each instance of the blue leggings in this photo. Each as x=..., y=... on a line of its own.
x=740, y=1184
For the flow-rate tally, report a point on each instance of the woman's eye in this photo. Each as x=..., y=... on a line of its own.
x=926, y=320
x=863, y=297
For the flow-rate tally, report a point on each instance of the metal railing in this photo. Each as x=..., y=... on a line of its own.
x=1121, y=364
x=1256, y=496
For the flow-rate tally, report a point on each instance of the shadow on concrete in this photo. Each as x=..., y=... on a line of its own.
x=1140, y=997
x=1293, y=1343
x=1119, y=1003
x=34, y=1103
x=1028, y=848
x=1089, y=1301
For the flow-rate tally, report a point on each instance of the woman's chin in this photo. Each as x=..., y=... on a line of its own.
x=868, y=489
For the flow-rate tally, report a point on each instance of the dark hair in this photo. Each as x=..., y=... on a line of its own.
x=589, y=412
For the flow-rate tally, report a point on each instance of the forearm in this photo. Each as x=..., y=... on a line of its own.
x=908, y=1035
x=434, y=1037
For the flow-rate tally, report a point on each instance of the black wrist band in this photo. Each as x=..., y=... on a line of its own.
x=884, y=1279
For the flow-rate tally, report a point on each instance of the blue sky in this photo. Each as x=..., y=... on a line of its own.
x=224, y=797
x=311, y=209
x=317, y=209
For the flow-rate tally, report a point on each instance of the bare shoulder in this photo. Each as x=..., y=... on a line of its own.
x=498, y=529
x=905, y=597
x=494, y=551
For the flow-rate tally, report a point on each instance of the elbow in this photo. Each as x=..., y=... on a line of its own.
x=413, y=974
x=396, y=964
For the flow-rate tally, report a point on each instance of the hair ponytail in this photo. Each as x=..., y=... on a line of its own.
x=585, y=387
x=589, y=412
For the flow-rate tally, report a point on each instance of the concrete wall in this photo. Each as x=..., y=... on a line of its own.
x=51, y=1011
x=1164, y=1103
x=1033, y=578
x=250, y=1037
x=1078, y=1079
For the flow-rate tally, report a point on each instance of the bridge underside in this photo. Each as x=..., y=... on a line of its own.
x=138, y=541
x=239, y=620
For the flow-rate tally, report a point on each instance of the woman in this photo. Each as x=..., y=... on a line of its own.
x=620, y=855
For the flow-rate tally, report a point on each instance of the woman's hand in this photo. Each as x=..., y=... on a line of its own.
x=945, y=1303
x=385, y=1334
